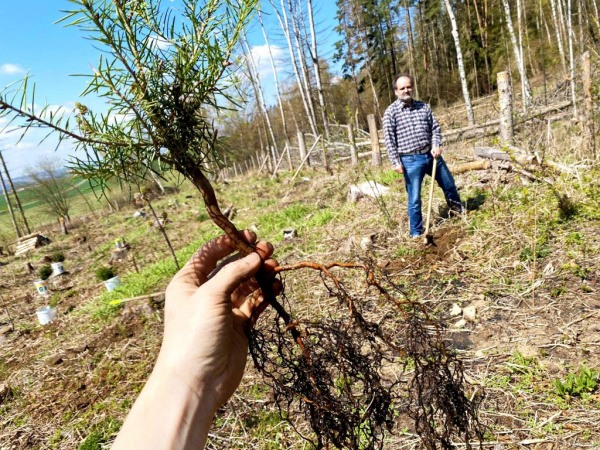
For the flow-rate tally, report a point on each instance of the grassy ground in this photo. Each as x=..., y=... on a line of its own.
x=527, y=261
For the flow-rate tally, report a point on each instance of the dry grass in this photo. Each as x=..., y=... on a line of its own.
x=533, y=276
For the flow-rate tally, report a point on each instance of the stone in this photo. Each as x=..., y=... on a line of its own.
x=55, y=360
x=469, y=313
x=456, y=310
x=460, y=324
x=369, y=188
x=290, y=233
x=366, y=242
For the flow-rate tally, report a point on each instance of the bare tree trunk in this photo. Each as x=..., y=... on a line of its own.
x=302, y=62
x=260, y=98
x=277, y=91
x=283, y=22
x=506, y=108
x=315, y=59
x=17, y=200
x=526, y=89
x=411, y=47
x=461, y=67
x=589, y=104
x=571, y=58
x=10, y=208
x=353, y=151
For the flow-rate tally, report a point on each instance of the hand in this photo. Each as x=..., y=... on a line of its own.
x=205, y=313
x=399, y=168
x=436, y=152
x=204, y=349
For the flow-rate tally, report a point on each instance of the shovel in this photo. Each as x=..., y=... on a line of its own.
x=428, y=240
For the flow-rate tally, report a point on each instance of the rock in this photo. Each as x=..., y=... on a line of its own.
x=460, y=324
x=5, y=329
x=139, y=215
x=5, y=391
x=369, y=188
x=456, y=310
x=55, y=360
x=354, y=196
x=469, y=313
x=366, y=242
x=347, y=246
x=290, y=233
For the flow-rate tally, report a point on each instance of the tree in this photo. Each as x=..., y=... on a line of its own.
x=51, y=186
x=165, y=74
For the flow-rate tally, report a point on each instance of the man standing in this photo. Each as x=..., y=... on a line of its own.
x=412, y=139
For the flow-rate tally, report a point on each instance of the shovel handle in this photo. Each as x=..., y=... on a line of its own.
x=430, y=196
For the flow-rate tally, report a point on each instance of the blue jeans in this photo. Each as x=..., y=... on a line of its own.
x=415, y=168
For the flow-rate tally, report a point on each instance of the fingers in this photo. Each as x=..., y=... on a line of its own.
x=264, y=250
x=232, y=275
x=199, y=267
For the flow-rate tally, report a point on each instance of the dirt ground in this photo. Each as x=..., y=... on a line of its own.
x=525, y=282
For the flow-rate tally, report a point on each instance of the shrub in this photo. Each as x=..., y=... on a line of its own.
x=58, y=256
x=45, y=272
x=105, y=273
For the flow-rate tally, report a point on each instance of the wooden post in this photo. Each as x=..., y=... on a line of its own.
x=506, y=109
x=353, y=151
x=375, y=150
x=235, y=171
x=289, y=156
x=302, y=147
x=589, y=104
x=325, y=161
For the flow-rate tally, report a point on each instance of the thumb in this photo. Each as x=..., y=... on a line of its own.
x=235, y=273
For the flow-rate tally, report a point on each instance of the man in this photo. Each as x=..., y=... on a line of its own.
x=413, y=138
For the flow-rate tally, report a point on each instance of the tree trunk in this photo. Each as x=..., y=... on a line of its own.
x=302, y=62
x=275, y=79
x=260, y=98
x=506, y=108
x=315, y=59
x=17, y=200
x=559, y=40
x=571, y=58
x=10, y=208
x=589, y=104
x=375, y=149
x=286, y=31
x=526, y=89
x=461, y=67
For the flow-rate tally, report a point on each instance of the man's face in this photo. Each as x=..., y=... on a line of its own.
x=404, y=89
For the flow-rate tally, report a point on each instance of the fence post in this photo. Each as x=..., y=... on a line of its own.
x=353, y=152
x=506, y=109
x=589, y=104
x=325, y=162
x=375, y=150
x=302, y=147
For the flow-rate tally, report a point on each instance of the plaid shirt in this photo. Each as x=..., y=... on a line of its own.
x=408, y=129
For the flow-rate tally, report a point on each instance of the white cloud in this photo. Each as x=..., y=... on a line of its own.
x=159, y=42
x=11, y=69
x=262, y=61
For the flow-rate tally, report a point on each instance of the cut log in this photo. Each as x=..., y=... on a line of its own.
x=514, y=154
x=475, y=165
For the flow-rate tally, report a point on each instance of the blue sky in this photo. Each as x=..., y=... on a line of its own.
x=31, y=43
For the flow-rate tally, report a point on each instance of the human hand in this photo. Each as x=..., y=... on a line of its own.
x=399, y=168
x=207, y=306
x=436, y=152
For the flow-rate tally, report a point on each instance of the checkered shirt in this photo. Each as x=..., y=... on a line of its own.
x=408, y=129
